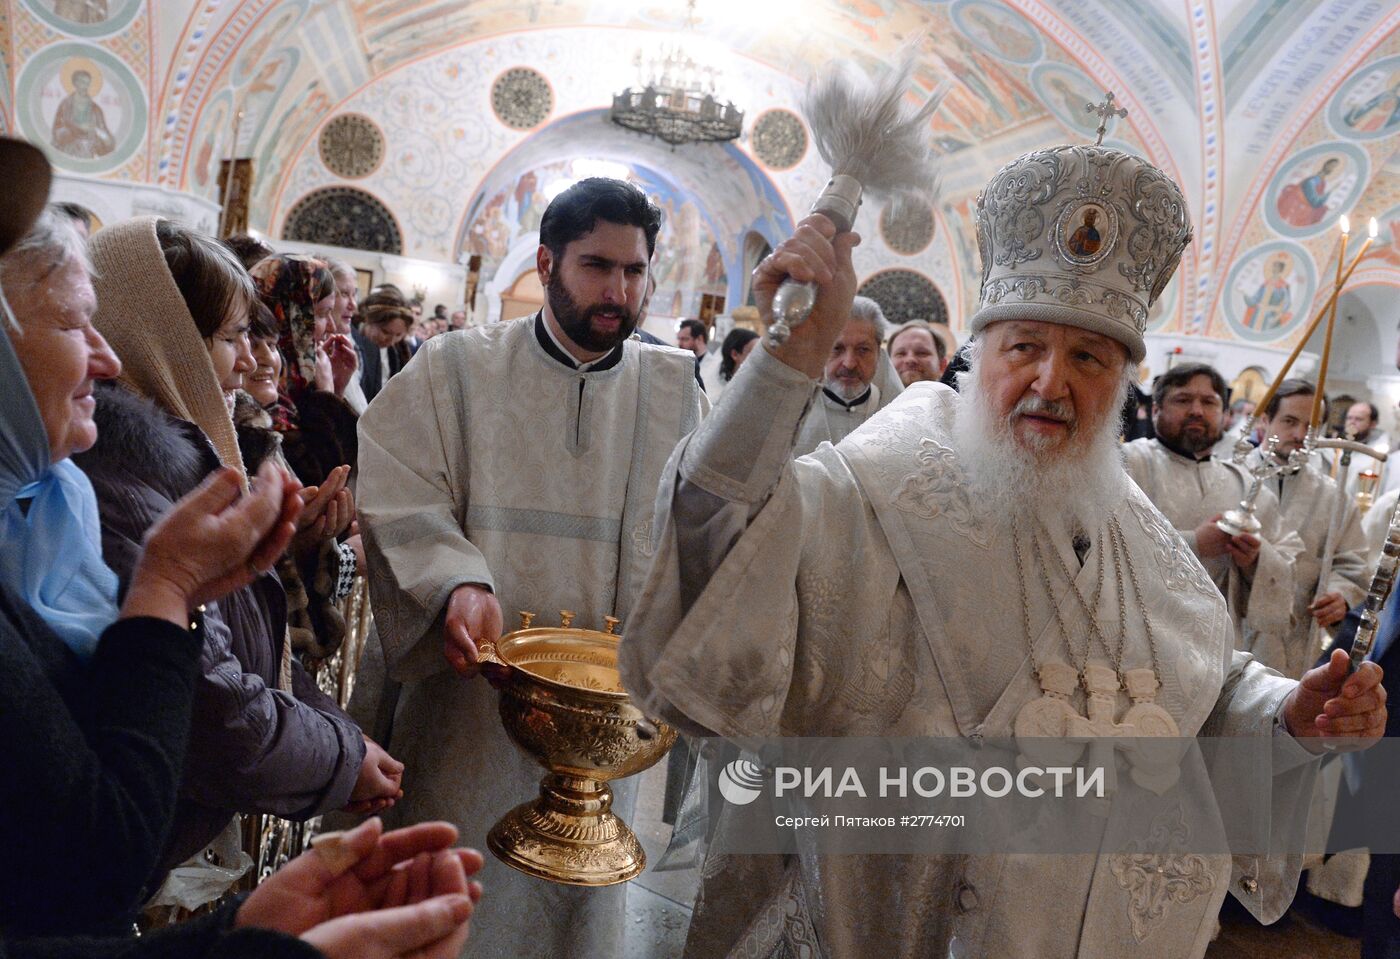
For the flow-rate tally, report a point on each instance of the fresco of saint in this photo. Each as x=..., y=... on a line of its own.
x=1007, y=38
x=1270, y=306
x=1381, y=112
x=81, y=11
x=79, y=126
x=1304, y=204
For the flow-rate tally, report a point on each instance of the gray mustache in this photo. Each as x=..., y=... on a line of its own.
x=1059, y=409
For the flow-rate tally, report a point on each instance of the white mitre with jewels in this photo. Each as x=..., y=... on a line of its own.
x=1083, y=235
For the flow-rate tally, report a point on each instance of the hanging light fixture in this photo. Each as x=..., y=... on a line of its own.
x=675, y=100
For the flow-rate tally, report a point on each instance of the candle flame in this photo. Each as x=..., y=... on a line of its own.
x=1374, y=228
x=1346, y=224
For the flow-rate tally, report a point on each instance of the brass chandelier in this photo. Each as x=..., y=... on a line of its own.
x=676, y=99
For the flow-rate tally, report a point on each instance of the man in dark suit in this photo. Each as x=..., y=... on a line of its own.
x=384, y=323
x=1366, y=809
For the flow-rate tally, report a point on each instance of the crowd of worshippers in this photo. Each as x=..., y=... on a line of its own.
x=181, y=550
x=178, y=431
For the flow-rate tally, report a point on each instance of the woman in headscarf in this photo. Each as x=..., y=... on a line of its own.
x=95, y=694
x=174, y=304
x=318, y=426
x=318, y=571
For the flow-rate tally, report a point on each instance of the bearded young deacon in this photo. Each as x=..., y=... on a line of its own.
x=1311, y=504
x=1193, y=489
x=514, y=467
x=846, y=592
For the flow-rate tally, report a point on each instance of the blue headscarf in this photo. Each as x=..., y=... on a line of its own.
x=51, y=547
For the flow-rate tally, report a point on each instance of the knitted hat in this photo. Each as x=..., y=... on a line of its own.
x=1082, y=235
x=144, y=317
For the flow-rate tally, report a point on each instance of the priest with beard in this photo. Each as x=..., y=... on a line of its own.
x=514, y=467
x=1193, y=489
x=858, y=380
x=846, y=593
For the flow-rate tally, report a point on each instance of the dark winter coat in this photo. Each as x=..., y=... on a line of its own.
x=253, y=748
x=211, y=936
x=92, y=766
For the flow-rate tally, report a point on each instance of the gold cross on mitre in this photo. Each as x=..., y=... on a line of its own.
x=1103, y=111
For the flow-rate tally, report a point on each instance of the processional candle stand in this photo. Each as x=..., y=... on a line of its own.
x=1313, y=440
x=1242, y=520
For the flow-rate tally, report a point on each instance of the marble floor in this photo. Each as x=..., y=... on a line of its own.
x=658, y=903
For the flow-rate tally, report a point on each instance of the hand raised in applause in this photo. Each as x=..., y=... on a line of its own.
x=815, y=253
x=473, y=617
x=327, y=511
x=344, y=360
x=213, y=541
x=368, y=894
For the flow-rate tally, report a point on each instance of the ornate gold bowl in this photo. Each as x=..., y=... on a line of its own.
x=562, y=702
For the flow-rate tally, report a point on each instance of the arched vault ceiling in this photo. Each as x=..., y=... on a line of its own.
x=1236, y=99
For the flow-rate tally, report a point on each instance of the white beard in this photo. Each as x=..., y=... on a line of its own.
x=1074, y=486
x=846, y=393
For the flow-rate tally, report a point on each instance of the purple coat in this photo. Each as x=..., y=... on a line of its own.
x=252, y=748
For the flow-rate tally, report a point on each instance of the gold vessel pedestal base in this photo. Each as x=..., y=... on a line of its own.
x=568, y=835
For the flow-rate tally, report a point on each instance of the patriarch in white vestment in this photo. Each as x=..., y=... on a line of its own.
x=1192, y=488
x=514, y=467
x=931, y=574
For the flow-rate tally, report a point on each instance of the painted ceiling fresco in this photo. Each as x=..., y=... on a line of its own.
x=1276, y=116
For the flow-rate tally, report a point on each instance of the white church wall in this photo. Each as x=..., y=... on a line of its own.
x=112, y=201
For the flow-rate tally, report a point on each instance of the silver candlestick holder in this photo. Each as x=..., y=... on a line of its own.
x=1241, y=520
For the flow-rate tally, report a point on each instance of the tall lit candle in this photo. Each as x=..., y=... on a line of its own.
x=1316, y=420
x=1317, y=319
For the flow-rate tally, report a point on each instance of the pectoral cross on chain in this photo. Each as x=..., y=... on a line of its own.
x=1102, y=732
x=1104, y=111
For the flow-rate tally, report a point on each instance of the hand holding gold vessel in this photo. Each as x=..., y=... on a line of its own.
x=473, y=617
x=563, y=704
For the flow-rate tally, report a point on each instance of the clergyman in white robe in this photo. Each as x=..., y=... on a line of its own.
x=491, y=460
x=861, y=591
x=1309, y=501
x=831, y=419
x=1189, y=492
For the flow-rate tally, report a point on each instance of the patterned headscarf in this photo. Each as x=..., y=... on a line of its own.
x=288, y=284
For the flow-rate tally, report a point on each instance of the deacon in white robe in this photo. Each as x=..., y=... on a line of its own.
x=1311, y=504
x=1191, y=488
x=858, y=380
x=503, y=471
x=1363, y=424
x=869, y=589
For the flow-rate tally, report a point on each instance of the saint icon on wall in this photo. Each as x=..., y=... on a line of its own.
x=1270, y=306
x=80, y=126
x=1303, y=203
x=81, y=11
x=1378, y=113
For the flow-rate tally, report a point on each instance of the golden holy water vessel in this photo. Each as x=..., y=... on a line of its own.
x=562, y=702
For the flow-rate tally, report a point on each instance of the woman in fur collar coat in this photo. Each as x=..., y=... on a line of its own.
x=174, y=305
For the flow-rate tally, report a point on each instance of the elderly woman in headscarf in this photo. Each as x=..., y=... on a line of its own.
x=174, y=304
x=318, y=426
x=318, y=571
x=95, y=687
